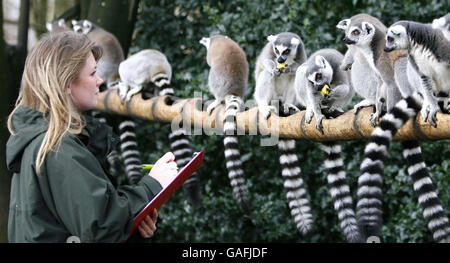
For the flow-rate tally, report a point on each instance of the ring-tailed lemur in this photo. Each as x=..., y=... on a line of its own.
x=368, y=39
x=429, y=55
x=275, y=74
x=402, y=73
x=325, y=90
x=227, y=80
x=364, y=80
x=443, y=24
x=149, y=72
x=143, y=69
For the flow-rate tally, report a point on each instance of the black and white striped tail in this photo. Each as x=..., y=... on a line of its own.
x=232, y=154
x=340, y=191
x=433, y=211
x=293, y=183
x=369, y=210
x=130, y=153
x=179, y=144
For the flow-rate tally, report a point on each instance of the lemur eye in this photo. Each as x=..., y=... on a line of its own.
x=318, y=76
x=287, y=51
x=276, y=51
x=390, y=39
x=355, y=32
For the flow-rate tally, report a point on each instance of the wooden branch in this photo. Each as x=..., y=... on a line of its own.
x=346, y=127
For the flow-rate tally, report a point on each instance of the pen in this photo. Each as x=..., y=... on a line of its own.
x=149, y=167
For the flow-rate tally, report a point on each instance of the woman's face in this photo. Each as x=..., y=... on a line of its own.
x=84, y=90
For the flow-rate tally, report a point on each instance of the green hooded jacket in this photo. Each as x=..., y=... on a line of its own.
x=72, y=196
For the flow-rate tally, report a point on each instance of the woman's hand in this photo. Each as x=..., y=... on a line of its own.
x=148, y=226
x=165, y=169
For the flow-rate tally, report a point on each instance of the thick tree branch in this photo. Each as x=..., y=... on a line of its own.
x=346, y=127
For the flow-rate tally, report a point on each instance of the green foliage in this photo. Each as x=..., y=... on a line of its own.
x=175, y=27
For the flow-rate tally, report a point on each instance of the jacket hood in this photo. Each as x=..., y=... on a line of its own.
x=27, y=124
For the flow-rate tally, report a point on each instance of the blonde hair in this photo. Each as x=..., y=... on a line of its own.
x=50, y=68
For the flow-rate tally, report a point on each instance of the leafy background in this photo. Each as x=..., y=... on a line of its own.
x=176, y=26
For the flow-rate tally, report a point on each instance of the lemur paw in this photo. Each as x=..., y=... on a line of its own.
x=122, y=97
x=428, y=113
x=308, y=116
x=210, y=108
x=276, y=72
x=319, y=126
x=123, y=90
x=129, y=95
x=287, y=107
x=374, y=118
x=345, y=67
x=361, y=105
x=266, y=111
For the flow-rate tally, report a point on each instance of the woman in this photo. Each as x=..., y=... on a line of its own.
x=59, y=190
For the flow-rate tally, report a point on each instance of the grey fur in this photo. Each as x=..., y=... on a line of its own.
x=278, y=84
x=369, y=37
x=363, y=78
x=141, y=68
x=227, y=81
x=229, y=68
x=443, y=24
x=307, y=87
x=275, y=87
x=429, y=58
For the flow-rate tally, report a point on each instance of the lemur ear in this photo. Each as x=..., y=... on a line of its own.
x=87, y=23
x=61, y=22
x=320, y=61
x=343, y=24
x=368, y=27
x=438, y=22
x=49, y=27
x=205, y=41
x=74, y=22
x=396, y=30
x=271, y=38
x=295, y=41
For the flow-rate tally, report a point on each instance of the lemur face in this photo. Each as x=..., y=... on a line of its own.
x=82, y=26
x=360, y=34
x=320, y=73
x=284, y=50
x=396, y=38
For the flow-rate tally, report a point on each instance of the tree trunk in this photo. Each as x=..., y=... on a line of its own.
x=124, y=13
x=16, y=55
x=5, y=100
x=39, y=16
x=345, y=127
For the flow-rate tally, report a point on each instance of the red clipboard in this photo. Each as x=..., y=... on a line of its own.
x=165, y=193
